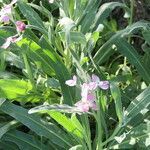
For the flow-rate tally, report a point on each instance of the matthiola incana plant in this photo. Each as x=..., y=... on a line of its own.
x=74, y=75
x=88, y=92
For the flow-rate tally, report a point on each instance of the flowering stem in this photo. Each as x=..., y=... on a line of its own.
x=2, y=61
x=99, y=124
x=88, y=133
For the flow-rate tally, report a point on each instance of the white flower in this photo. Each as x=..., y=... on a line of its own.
x=51, y=1
x=65, y=21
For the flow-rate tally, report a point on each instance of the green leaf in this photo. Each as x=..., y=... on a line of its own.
x=35, y=123
x=104, y=12
x=88, y=15
x=66, y=123
x=48, y=61
x=56, y=107
x=146, y=35
x=76, y=37
x=106, y=49
x=2, y=100
x=138, y=105
x=8, y=145
x=139, y=134
x=42, y=9
x=7, y=127
x=76, y=122
x=124, y=48
x=11, y=88
x=24, y=141
x=133, y=57
x=31, y=15
x=115, y=91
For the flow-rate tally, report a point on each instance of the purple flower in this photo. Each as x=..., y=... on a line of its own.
x=72, y=82
x=82, y=106
x=87, y=101
x=88, y=95
x=5, y=19
x=85, y=106
x=20, y=26
x=6, y=12
x=102, y=84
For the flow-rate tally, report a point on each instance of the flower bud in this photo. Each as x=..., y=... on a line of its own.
x=20, y=26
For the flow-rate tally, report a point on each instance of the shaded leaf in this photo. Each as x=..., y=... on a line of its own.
x=35, y=123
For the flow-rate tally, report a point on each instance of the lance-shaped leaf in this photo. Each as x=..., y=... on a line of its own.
x=138, y=106
x=11, y=89
x=8, y=145
x=139, y=135
x=24, y=141
x=105, y=10
x=34, y=122
x=106, y=49
x=134, y=58
x=48, y=58
x=115, y=91
x=8, y=126
x=31, y=15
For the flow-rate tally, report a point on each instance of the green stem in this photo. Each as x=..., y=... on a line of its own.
x=99, y=124
x=88, y=138
x=2, y=61
x=132, y=11
x=96, y=67
x=29, y=70
x=113, y=135
x=130, y=22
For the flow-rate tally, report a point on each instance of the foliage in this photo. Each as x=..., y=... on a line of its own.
x=43, y=45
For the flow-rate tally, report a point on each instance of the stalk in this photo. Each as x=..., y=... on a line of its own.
x=99, y=124
x=29, y=70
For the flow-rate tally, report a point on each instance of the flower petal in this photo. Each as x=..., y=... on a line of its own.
x=104, y=85
x=95, y=78
x=71, y=82
x=5, y=19
x=82, y=106
x=92, y=85
x=91, y=97
x=84, y=91
x=93, y=106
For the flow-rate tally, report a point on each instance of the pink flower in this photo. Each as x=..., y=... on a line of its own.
x=6, y=12
x=5, y=19
x=11, y=39
x=82, y=106
x=87, y=98
x=20, y=26
x=72, y=82
x=102, y=84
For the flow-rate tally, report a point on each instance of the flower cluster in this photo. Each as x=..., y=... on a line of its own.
x=88, y=96
x=6, y=12
x=5, y=17
x=20, y=27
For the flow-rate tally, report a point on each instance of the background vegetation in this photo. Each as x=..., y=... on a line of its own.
x=108, y=38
